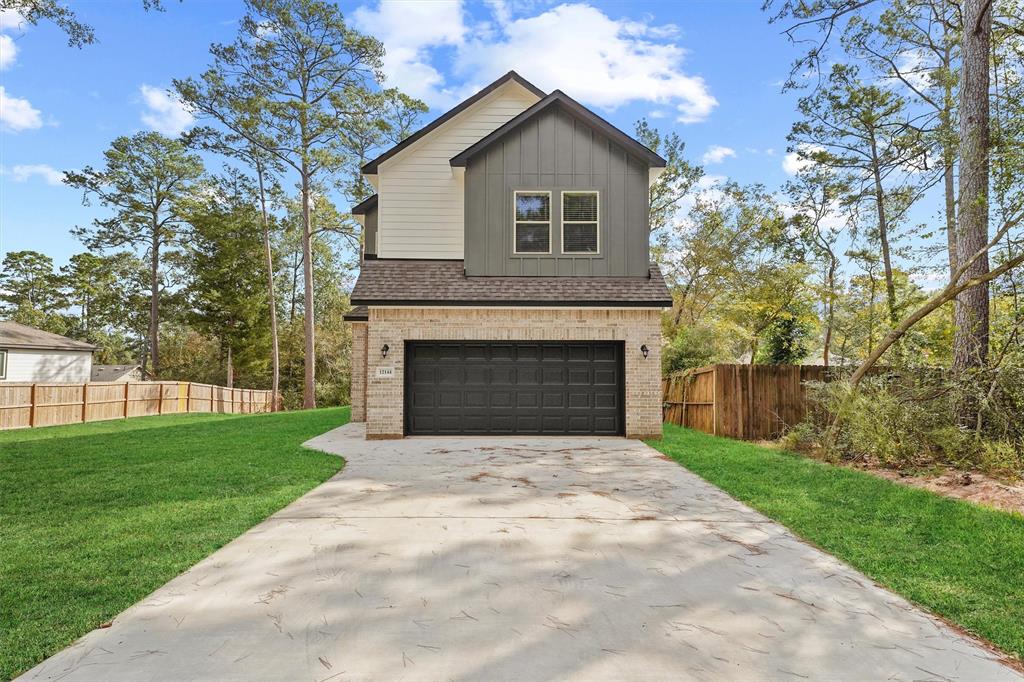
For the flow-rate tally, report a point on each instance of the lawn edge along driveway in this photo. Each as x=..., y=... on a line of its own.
x=962, y=561
x=93, y=517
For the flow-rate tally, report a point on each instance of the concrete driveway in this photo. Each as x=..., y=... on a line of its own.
x=513, y=558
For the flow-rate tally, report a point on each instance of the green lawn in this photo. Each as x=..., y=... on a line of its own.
x=93, y=517
x=955, y=558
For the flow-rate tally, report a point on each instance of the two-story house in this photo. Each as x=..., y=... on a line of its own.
x=506, y=285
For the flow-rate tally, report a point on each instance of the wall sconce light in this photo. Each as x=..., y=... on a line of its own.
x=385, y=348
x=645, y=350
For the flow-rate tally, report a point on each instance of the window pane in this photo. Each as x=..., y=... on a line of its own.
x=579, y=206
x=579, y=237
x=532, y=237
x=533, y=207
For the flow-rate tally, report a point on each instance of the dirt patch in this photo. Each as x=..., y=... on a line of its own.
x=971, y=486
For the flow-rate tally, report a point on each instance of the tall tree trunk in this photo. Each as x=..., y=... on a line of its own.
x=230, y=370
x=275, y=353
x=971, y=338
x=883, y=235
x=154, y=304
x=830, y=310
x=309, y=381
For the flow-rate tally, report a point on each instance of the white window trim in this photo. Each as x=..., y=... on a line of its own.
x=549, y=222
x=562, y=221
x=3, y=363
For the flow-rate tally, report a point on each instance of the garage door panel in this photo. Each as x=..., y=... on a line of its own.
x=579, y=400
x=481, y=387
x=527, y=399
x=477, y=374
x=553, y=399
x=504, y=376
x=528, y=375
x=553, y=376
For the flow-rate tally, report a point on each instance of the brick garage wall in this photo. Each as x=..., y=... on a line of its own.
x=358, y=398
x=395, y=326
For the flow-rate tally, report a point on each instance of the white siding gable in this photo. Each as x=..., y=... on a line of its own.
x=50, y=366
x=420, y=204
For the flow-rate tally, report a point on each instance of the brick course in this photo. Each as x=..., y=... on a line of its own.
x=393, y=326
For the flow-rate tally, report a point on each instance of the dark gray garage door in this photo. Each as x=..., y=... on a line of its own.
x=486, y=387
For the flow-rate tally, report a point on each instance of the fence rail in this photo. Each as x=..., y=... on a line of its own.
x=50, y=404
x=747, y=402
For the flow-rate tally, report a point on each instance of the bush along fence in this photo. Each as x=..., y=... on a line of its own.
x=29, y=405
x=747, y=402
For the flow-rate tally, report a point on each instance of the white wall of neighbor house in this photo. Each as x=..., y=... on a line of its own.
x=420, y=205
x=55, y=366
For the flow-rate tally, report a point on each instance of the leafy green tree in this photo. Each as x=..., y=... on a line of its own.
x=864, y=133
x=225, y=291
x=144, y=180
x=693, y=346
x=31, y=291
x=302, y=77
x=785, y=341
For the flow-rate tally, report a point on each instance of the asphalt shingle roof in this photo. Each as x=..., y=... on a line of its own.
x=14, y=335
x=444, y=282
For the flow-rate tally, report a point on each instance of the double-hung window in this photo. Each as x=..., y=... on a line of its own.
x=580, y=223
x=3, y=364
x=532, y=222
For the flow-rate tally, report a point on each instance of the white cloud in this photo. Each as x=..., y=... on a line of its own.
x=17, y=114
x=716, y=153
x=575, y=47
x=164, y=113
x=796, y=160
x=11, y=20
x=409, y=30
x=23, y=173
x=8, y=51
x=598, y=60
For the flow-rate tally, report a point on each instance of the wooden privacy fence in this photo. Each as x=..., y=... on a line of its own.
x=25, y=405
x=748, y=402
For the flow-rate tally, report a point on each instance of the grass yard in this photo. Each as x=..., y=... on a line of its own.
x=959, y=560
x=93, y=517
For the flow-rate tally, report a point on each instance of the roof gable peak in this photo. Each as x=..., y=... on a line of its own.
x=371, y=167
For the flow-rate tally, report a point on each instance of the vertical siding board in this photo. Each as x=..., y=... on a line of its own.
x=556, y=152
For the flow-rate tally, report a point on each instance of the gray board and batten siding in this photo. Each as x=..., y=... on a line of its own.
x=556, y=151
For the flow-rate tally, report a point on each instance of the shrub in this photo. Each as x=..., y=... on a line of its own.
x=905, y=420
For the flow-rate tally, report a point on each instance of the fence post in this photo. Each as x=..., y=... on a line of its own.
x=188, y=397
x=127, y=386
x=85, y=401
x=32, y=407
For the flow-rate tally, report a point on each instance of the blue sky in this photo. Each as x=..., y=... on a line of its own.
x=710, y=70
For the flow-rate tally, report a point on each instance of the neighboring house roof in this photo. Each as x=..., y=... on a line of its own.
x=19, y=336
x=371, y=167
x=113, y=372
x=560, y=99
x=444, y=282
x=364, y=206
x=358, y=314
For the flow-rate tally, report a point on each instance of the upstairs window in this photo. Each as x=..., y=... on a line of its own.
x=579, y=222
x=532, y=222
